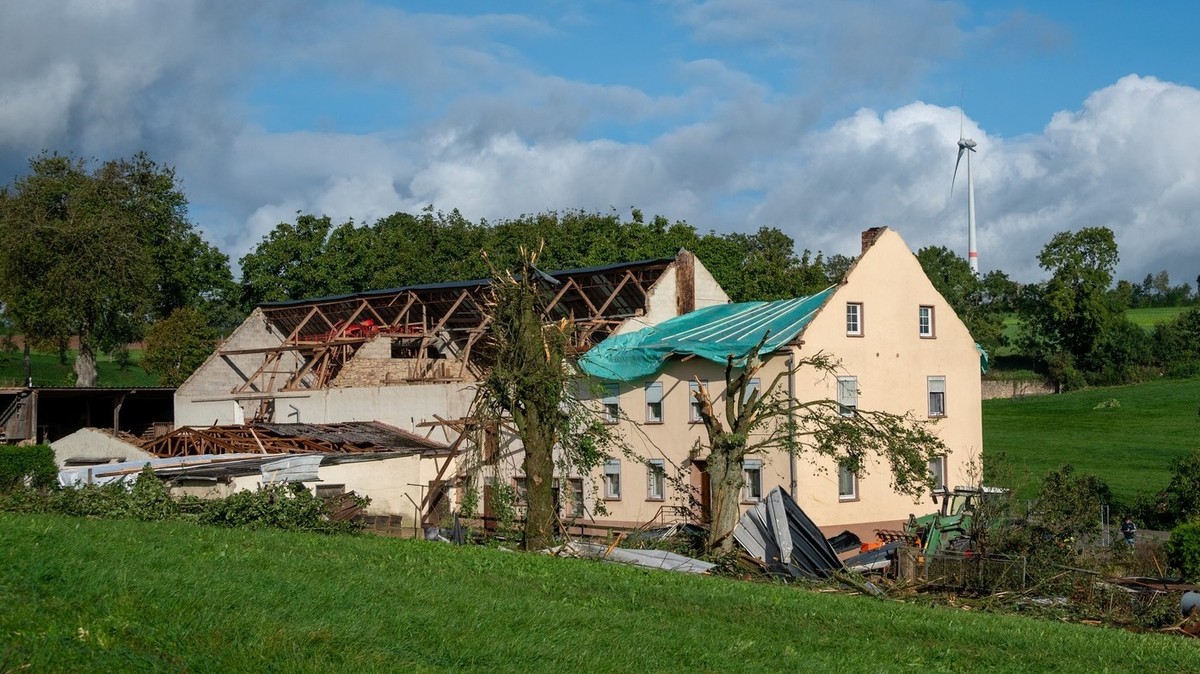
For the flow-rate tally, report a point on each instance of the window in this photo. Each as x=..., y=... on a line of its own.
x=655, y=477
x=330, y=490
x=847, y=395
x=612, y=403
x=751, y=387
x=521, y=490
x=937, y=470
x=854, y=327
x=937, y=396
x=576, y=497
x=752, y=477
x=847, y=484
x=654, y=406
x=925, y=321
x=612, y=479
x=694, y=405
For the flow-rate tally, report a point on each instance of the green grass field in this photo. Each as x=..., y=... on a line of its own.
x=1129, y=446
x=47, y=371
x=93, y=595
x=1148, y=318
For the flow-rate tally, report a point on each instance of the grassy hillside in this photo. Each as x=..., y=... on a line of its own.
x=88, y=595
x=1147, y=318
x=47, y=371
x=1128, y=446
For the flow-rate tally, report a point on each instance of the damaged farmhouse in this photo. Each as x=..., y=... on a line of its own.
x=405, y=360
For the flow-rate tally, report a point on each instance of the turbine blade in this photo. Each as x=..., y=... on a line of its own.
x=955, y=177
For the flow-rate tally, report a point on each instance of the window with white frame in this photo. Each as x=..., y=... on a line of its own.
x=576, y=497
x=937, y=396
x=654, y=402
x=854, y=319
x=847, y=484
x=521, y=490
x=693, y=404
x=847, y=395
x=752, y=478
x=612, y=403
x=937, y=470
x=751, y=386
x=925, y=321
x=612, y=479
x=656, y=473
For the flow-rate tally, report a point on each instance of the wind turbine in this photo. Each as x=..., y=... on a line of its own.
x=967, y=146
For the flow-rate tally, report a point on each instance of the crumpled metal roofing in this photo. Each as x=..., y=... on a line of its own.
x=778, y=533
x=713, y=333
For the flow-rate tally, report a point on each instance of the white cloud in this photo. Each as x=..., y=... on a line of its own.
x=496, y=136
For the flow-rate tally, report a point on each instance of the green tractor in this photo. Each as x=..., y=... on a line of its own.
x=952, y=527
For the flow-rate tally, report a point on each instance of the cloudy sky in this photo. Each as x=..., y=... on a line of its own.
x=820, y=118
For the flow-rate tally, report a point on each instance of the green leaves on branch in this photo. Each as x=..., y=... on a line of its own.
x=99, y=252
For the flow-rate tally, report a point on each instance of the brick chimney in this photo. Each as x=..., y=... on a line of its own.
x=869, y=236
x=685, y=282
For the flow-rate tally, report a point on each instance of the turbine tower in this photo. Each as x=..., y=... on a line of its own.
x=967, y=146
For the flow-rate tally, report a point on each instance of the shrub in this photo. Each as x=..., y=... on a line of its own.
x=278, y=506
x=1181, y=499
x=29, y=464
x=1183, y=550
x=282, y=507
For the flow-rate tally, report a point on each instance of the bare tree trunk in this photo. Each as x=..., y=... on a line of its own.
x=725, y=479
x=539, y=481
x=85, y=365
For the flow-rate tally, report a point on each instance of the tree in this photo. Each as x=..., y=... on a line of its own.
x=99, y=253
x=177, y=345
x=1181, y=498
x=1065, y=317
x=755, y=421
x=188, y=271
x=528, y=381
x=70, y=263
x=966, y=293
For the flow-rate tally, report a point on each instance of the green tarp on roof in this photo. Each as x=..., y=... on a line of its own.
x=712, y=333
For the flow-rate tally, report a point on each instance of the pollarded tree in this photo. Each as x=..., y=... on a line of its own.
x=757, y=421
x=528, y=383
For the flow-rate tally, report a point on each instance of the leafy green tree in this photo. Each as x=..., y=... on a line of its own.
x=757, y=421
x=189, y=272
x=1000, y=292
x=1180, y=500
x=966, y=293
x=1064, y=318
x=1175, y=344
x=99, y=253
x=70, y=264
x=286, y=265
x=177, y=345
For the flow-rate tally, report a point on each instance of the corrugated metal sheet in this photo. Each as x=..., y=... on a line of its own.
x=779, y=534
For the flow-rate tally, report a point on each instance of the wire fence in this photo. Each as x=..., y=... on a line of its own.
x=962, y=570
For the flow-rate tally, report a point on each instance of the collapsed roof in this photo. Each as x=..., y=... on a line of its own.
x=352, y=437
x=322, y=334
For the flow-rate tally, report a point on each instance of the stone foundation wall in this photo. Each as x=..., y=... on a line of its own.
x=1015, y=388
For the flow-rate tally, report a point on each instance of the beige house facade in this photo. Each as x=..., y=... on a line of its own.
x=900, y=348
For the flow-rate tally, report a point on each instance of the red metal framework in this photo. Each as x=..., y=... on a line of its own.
x=323, y=334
